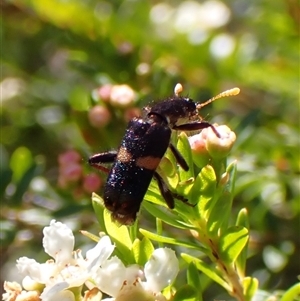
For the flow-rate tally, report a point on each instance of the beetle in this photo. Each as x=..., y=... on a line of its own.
x=144, y=144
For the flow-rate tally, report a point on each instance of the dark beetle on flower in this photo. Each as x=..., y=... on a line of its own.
x=142, y=148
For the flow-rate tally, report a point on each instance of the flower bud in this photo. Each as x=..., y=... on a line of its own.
x=219, y=147
x=91, y=183
x=99, y=116
x=207, y=144
x=68, y=157
x=199, y=151
x=122, y=96
x=104, y=92
x=31, y=285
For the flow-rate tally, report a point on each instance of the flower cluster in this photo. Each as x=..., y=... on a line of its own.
x=65, y=275
x=117, y=96
x=71, y=173
x=207, y=144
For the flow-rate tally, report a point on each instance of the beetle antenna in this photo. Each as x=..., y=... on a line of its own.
x=230, y=92
x=178, y=89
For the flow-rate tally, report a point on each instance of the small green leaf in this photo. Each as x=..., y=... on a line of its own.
x=203, y=191
x=193, y=279
x=211, y=272
x=250, y=286
x=243, y=221
x=186, y=293
x=79, y=99
x=142, y=250
x=166, y=215
x=20, y=162
x=120, y=236
x=232, y=242
x=168, y=170
x=153, y=195
x=293, y=293
x=231, y=170
x=173, y=241
x=219, y=215
x=98, y=205
x=184, y=148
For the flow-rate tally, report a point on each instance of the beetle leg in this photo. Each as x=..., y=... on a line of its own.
x=181, y=161
x=168, y=194
x=194, y=126
x=165, y=191
x=97, y=160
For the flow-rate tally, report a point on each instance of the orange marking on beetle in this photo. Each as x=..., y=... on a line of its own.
x=148, y=162
x=123, y=155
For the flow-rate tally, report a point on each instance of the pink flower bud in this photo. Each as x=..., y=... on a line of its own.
x=91, y=183
x=70, y=173
x=104, y=92
x=199, y=151
x=68, y=157
x=99, y=116
x=207, y=144
x=122, y=96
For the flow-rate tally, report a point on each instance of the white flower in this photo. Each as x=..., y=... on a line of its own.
x=130, y=283
x=112, y=274
x=58, y=242
x=68, y=268
x=161, y=269
x=14, y=292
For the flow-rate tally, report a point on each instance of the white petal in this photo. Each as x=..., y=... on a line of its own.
x=100, y=253
x=58, y=241
x=161, y=269
x=111, y=276
x=38, y=272
x=29, y=267
x=57, y=292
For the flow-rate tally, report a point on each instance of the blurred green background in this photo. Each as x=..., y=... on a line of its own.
x=56, y=55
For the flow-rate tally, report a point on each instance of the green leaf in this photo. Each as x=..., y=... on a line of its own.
x=203, y=191
x=232, y=242
x=98, y=205
x=153, y=195
x=184, y=148
x=193, y=279
x=186, y=293
x=142, y=250
x=168, y=170
x=293, y=293
x=79, y=99
x=220, y=214
x=120, y=236
x=166, y=215
x=173, y=241
x=207, y=270
x=250, y=286
x=20, y=162
x=243, y=221
x=231, y=170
